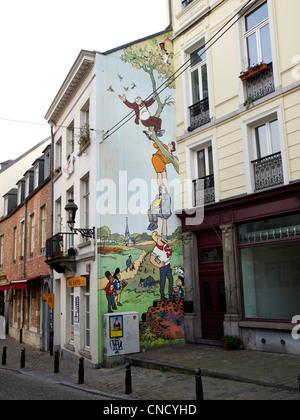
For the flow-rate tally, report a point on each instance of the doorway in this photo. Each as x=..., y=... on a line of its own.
x=212, y=286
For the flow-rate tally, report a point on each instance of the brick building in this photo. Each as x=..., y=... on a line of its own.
x=24, y=276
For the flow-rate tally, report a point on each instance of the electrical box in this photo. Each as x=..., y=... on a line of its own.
x=121, y=333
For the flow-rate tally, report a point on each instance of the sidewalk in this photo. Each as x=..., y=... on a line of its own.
x=168, y=373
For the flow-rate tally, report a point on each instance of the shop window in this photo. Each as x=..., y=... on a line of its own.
x=270, y=265
x=271, y=281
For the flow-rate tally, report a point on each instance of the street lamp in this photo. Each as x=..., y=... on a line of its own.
x=71, y=208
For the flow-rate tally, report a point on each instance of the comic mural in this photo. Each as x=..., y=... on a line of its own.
x=139, y=240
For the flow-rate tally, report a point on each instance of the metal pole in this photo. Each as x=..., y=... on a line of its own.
x=4, y=355
x=21, y=332
x=299, y=385
x=22, y=358
x=128, y=382
x=81, y=371
x=56, y=362
x=199, y=388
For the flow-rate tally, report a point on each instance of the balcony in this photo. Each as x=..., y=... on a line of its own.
x=199, y=114
x=204, y=190
x=268, y=171
x=60, y=253
x=260, y=84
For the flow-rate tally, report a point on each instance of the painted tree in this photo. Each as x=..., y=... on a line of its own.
x=156, y=55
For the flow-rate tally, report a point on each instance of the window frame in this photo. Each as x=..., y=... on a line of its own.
x=186, y=52
x=192, y=168
x=249, y=144
x=256, y=29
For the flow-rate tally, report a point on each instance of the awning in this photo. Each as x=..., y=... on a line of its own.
x=4, y=286
x=22, y=283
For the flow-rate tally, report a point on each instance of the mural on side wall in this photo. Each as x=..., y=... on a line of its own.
x=139, y=241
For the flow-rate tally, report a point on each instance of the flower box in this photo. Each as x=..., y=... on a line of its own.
x=252, y=71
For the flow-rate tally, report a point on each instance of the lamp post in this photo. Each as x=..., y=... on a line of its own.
x=71, y=208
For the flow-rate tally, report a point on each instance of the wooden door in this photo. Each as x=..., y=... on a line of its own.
x=212, y=287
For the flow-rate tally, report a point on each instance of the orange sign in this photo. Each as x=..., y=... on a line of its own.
x=49, y=299
x=76, y=282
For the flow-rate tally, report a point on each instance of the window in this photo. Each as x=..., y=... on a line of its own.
x=58, y=154
x=257, y=36
x=14, y=245
x=85, y=201
x=22, y=232
x=205, y=176
x=31, y=235
x=271, y=281
x=265, y=155
x=270, y=267
x=36, y=176
x=42, y=230
x=186, y=2
x=70, y=139
x=198, y=72
x=1, y=250
x=58, y=217
x=205, y=162
x=267, y=139
x=199, y=109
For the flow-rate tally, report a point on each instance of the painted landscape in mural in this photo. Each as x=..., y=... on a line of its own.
x=139, y=239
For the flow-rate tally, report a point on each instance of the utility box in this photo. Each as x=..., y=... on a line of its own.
x=121, y=333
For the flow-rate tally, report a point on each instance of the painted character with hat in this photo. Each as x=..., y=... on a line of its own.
x=162, y=253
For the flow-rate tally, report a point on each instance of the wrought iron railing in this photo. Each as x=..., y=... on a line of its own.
x=60, y=245
x=268, y=171
x=261, y=84
x=199, y=114
x=204, y=190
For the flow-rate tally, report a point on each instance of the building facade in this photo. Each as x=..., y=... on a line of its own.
x=24, y=275
x=238, y=127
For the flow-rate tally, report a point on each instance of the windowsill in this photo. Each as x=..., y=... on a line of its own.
x=263, y=325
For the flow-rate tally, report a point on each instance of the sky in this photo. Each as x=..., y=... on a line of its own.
x=40, y=42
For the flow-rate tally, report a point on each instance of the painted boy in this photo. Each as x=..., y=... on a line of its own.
x=162, y=252
x=110, y=291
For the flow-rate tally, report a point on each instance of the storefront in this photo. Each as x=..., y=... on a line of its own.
x=245, y=273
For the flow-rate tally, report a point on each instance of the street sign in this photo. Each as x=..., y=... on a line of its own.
x=50, y=299
x=76, y=282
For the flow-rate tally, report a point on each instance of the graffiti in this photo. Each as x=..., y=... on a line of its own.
x=116, y=345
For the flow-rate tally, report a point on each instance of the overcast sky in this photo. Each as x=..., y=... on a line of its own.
x=39, y=43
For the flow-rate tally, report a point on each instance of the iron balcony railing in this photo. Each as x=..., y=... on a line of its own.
x=60, y=245
x=204, y=190
x=261, y=84
x=199, y=114
x=268, y=171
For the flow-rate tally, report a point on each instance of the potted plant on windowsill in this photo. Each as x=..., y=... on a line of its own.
x=84, y=135
x=231, y=342
x=252, y=71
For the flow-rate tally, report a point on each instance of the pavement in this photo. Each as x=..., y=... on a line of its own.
x=168, y=373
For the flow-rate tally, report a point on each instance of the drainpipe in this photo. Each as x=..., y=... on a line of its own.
x=170, y=26
x=24, y=267
x=51, y=324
